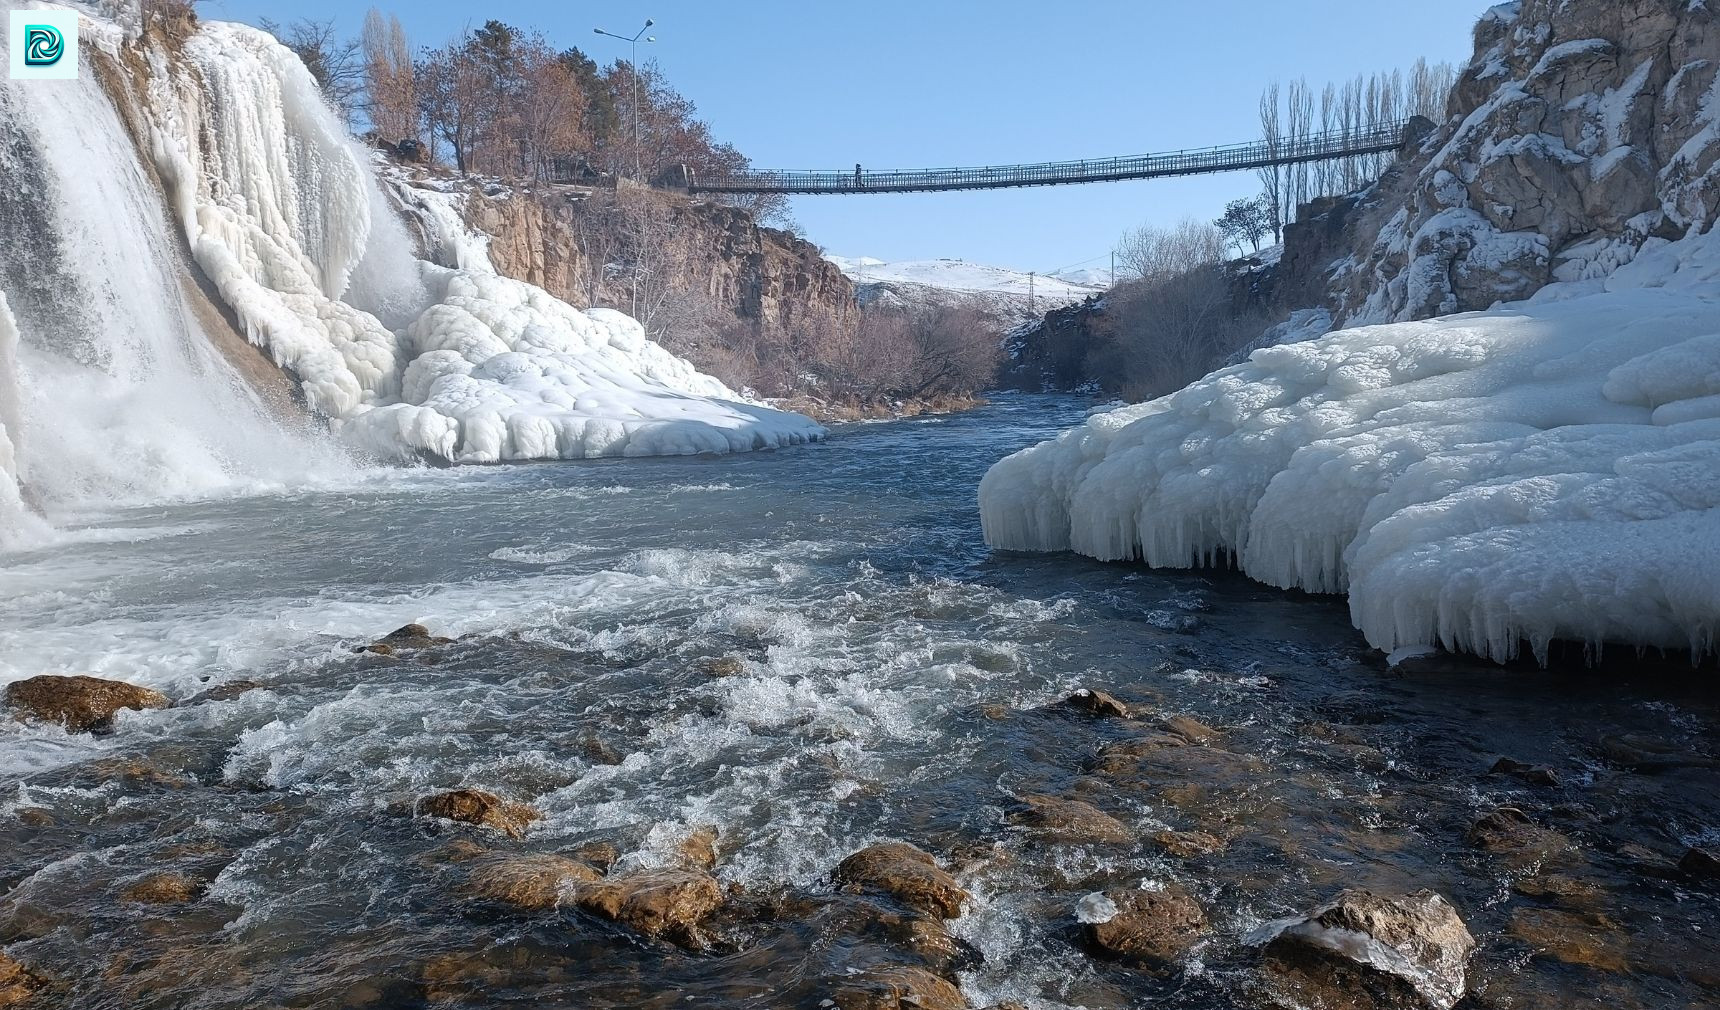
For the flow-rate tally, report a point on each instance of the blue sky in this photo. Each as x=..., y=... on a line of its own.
x=896, y=84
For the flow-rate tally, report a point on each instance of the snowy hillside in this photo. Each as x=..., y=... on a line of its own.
x=1004, y=290
x=1543, y=471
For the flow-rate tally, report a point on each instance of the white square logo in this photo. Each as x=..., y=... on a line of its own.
x=43, y=45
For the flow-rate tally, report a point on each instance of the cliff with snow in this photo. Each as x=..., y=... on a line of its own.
x=1486, y=481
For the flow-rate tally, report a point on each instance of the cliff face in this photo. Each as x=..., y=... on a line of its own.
x=1578, y=133
x=561, y=239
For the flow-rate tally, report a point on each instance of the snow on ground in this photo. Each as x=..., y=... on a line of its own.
x=963, y=277
x=285, y=215
x=1547, y=470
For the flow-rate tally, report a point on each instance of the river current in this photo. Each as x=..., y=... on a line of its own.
x=886, y=678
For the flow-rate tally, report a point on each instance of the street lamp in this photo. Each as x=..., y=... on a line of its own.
x=634, y=42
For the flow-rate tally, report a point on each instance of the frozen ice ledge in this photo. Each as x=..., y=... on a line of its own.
x=1544, y=471
x=405, y=357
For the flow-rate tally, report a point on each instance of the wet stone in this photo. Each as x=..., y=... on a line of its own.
x=1367, y=950
x=1190, y=729
x=1152, y=928
x=163, y=889
x=1699, y=862
x=18, y=985
x=1188, y=844
x=1509, y=831
x=533, y=882
x=1535, y=775
x=698, y=851
x=896, y=988
x=410, y=637
x=1096, y=703
x=1559, y=888
x=722, y=666
x=475, y=806
x=1586, y=939
x=225, y=692
x=669, y=904
x=1070, y=821
x=601, y=855
x=908, y=874
x=81, y=704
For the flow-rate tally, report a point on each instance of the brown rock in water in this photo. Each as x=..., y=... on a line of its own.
x=475, y=806
x=1189, y=844
x=407, y=637
x=225, y=692
x=534, y=882
x=35, y=817
x=18, y=985
x=1071, y=821
x=163, y=889
x=1508, y=831
x=1700, y=862
x=1535, y=775
x=656, y=903
x=1096, y=703
x=896, y=988
x=699, y=849
x=82, y=704
x=1365, y=950
x=907, y=873
x=1586, y=939
x=1154, y=928
x=1558, y=887
x=599, y=854
x=1190, y=729
x=722, y=666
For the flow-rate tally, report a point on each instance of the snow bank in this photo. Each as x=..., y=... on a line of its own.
x=403, y=355
x=1543, y=471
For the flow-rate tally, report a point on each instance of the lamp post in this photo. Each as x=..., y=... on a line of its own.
x=634, y=42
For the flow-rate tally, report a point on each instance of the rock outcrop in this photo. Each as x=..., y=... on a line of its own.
x=1577, y=134
x=475, y=806
x=81, y=704
x=1152, y=928
x=908, y=874
x=1362, y=949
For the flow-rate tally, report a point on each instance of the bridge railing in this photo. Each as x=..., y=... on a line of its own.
x=1229, y=158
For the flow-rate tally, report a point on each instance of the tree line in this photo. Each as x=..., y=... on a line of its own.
x=503, y=100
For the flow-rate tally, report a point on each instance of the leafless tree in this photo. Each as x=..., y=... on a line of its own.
x=333, y=62
x=389, y=77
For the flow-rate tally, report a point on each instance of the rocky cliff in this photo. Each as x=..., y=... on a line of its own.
x=1579, y=133
x=573, y=242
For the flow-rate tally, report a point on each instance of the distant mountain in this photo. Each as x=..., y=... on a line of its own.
x=1004, y=292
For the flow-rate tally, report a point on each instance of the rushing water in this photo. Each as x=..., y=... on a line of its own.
x=898, y=682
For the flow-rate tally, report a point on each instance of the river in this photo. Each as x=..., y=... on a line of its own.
x=895, y=680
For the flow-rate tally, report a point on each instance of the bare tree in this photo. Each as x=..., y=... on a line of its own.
x=1272, y=177
x=389, y=77
x=334, y=63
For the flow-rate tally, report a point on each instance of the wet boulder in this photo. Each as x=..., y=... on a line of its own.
x=1368, y=950
x=1535, y=775
x=1069, y=821
x=1190, y=729
x=668, y=904
x=81, y=704
x=1509, y=832
x=18, y=985
x=409, y=637
x=1153, y=928
x=722, y=666
x=475, y=806
x=533, y=882
x=1188, y=844
x=896, y=988
x=1587, y=939
x=1699, y=862
x=1096, y=703
x=163, y=889
x=698, y=851
x=908, y=874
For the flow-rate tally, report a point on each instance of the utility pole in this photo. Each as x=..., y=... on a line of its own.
x=1113, y=268
x=1030, y=278
x=638, y=172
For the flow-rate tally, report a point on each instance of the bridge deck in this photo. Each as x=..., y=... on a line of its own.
x=1230, y=158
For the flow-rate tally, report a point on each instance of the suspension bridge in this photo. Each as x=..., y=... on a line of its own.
x=1382, y=139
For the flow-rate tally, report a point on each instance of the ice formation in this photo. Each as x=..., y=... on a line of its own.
x=1543, y=471
x=404, y=355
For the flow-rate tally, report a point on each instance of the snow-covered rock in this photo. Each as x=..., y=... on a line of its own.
x=1578, y=132
x=1544, y=471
